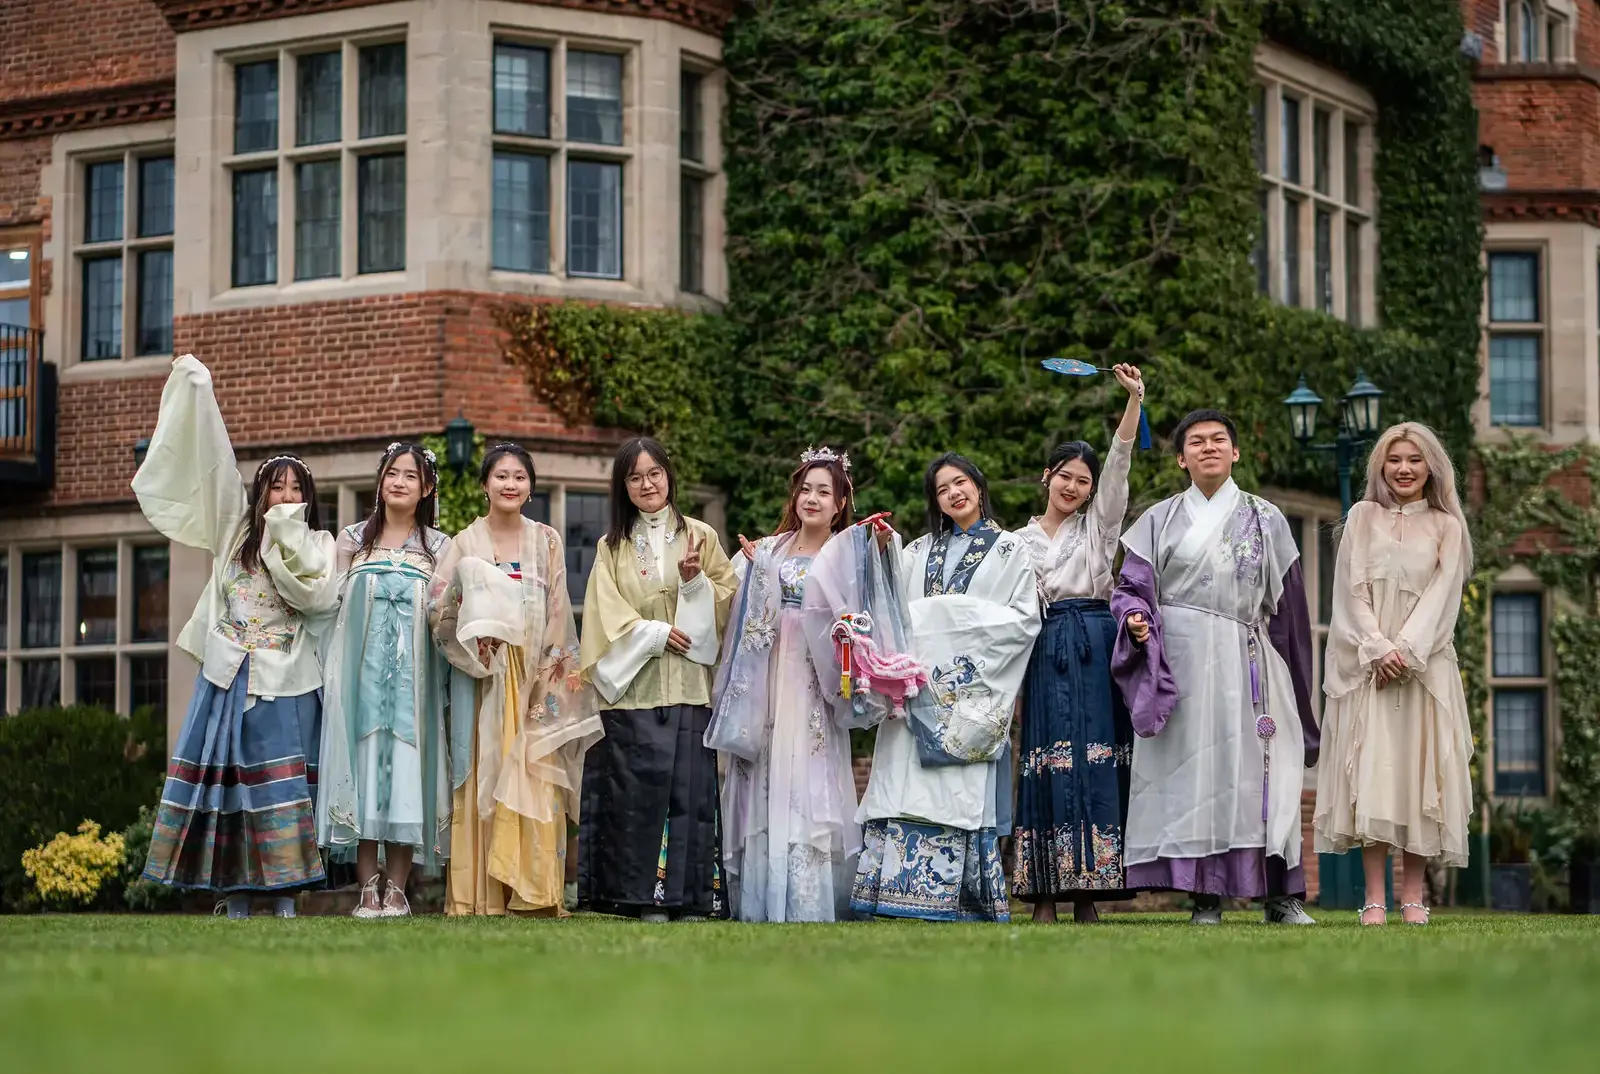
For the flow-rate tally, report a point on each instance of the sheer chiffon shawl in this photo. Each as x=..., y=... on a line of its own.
x=474, y=600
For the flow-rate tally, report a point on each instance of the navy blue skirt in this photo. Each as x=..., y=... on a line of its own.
x=1077, y=752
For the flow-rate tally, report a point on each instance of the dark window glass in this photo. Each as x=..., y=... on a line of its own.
x=41, y=683
x=155, y=302
x=1519, y=742
x=1514, y=287
x=255, y=227
x=1352, y=272
x=594, y=97
x=156, y=194
x=328, y=509
x=588, y=514
x=1327, y=557
x=1352, y=163
x=255, y=124
x=594, y=219
x=1515, y=391
x=316, y=219
x=381, y=234
x=97, y=681
x=147, y=682
x=41, y=599
x=1290, y=128
x=1291, y=251
x=150, y=570
x=103, y=220
x=97, y=596
x=3, y=691
x=538, y=507
x=1518, y=635
x=1324, y=257
x=691, y=136
x=5, y=605
x=691, y=236
x=1297, y=525
x=521, y=212
x=102, y=307
x=1321, y=150
x=365, y=502
x=1259, y=256
x=1258, y=127
x=317, y=98
x=521, y=90
x=383, y=90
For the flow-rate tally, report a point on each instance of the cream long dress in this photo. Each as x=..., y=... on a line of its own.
x=1394, y=761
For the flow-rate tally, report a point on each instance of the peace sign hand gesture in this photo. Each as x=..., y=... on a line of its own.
x=689, y=565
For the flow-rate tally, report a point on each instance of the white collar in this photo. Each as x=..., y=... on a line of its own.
x=655, y=519
x=1199, y=499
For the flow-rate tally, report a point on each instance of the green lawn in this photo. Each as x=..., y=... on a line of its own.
x=114, y=994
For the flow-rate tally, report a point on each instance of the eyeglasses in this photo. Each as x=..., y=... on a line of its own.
x=654, y=476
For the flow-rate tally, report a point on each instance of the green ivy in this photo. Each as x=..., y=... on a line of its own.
x=461, y=498
x=1564, y=530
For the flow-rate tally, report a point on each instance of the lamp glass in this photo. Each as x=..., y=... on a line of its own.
x=458, y=436
x=1303, y=404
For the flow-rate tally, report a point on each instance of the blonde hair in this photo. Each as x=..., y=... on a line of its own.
x=1440, y=488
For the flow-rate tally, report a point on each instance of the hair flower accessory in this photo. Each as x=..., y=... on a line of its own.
x=279, y=458
x=390, y=451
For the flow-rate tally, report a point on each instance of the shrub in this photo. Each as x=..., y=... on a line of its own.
x=69, y=870
x=60, y=765
x=145, y=896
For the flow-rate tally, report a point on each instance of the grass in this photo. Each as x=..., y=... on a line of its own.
x=128, y=993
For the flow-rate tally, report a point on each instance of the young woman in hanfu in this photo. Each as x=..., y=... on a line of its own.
x=521, y=723
x=939, y=798
x=1396, y=739
x=236, y=810
x=386, y=776
x=657, y=599
x=790, y=837
x=1077, y=741
x=1213, y=657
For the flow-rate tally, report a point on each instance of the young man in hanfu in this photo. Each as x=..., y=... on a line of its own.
x=1213, y=657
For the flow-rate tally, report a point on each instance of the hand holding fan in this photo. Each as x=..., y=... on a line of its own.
x=1074, y=367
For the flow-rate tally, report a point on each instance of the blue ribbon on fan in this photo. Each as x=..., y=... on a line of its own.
x=1073, y=367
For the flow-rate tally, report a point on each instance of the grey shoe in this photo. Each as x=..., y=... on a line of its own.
x=1210, y=916
x=283, y=906
x=654, y=919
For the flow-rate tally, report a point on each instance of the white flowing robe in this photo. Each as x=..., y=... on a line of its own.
x=976, y=646
x=1198, y=775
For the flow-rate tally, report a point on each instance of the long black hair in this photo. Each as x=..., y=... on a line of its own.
x=260, y=489
x=1065, y=453
x=623, y=512
x=499, y=451
x=938, y=521
x=427, y=506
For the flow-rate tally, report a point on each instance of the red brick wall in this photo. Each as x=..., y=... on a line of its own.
x=56, y=46
x=310, y=377
x=21, y=161
x=1480, y=16
x=1545, y=130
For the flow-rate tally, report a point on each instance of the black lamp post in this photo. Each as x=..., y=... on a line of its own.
x=141, y=447
x=458, y=437
x=1359, y=420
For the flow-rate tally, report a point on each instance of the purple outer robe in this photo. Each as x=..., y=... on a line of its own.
x=1143, y=675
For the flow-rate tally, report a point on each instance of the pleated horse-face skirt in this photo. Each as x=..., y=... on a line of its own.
x=236, y=810
x=649, y=833
x=1077, y=753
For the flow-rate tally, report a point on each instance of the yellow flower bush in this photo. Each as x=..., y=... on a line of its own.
x=70, y=869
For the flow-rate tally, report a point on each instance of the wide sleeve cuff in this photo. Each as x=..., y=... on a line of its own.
x=697, y=619
x=627, y=656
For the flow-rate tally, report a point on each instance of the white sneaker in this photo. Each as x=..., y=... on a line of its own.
x=654, y=919
x=236, y=907
x=1206, y=917
x=1285, y=910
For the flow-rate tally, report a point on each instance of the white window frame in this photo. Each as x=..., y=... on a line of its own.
x=1544, y=681
x=559, y=150
x=1281, y=74
x=1539, y=328
x=128, y=248
x=348, y=149
x=67, y=654
x=1554, y=30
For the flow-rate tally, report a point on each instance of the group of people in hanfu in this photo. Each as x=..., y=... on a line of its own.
x=393, y=696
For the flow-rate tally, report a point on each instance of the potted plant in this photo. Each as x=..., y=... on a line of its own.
x=1510, y=875
x=1584, y=878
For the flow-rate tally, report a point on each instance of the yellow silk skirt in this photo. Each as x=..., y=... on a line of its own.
x=508, y=863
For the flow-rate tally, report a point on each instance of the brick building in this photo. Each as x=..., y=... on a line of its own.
x=1537, y=88
x=323, y=199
